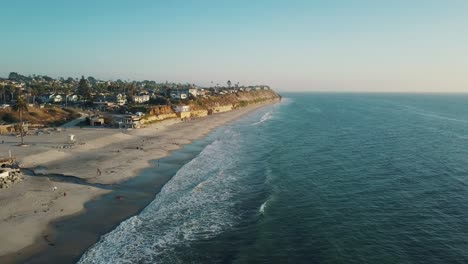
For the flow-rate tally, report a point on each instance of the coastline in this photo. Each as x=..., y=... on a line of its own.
x=29, y=207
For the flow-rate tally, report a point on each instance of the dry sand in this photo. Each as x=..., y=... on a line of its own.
x=28, y=206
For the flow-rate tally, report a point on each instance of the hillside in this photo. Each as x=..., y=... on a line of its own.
x=44, y=116
x=235, y=99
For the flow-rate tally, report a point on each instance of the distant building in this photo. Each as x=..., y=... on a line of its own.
x=182, y=111
x=179, y=93
x=120, y=99
x=72, y=98
x=143, y=98
x=181, y=108
x=126, y=121
x=96, y=120
x=56, y=98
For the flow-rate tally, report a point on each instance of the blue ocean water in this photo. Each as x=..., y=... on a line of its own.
x=317, y=178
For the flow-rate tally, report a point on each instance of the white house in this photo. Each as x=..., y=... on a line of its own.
x=72, y=98
x=143, y=98
x=56, y=98
x=179, y=93
x=181, y=108
x=120, y=99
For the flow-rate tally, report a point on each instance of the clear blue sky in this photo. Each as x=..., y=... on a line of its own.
x=362, y=45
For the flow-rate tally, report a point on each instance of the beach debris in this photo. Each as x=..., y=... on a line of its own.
x=9, y=172
x=71, y=139
x=55, y=188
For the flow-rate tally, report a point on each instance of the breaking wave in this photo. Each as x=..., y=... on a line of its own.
x=197, y=203
x=263, y=206
x=267, y=116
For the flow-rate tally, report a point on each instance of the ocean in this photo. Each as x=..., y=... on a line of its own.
x=316, y=178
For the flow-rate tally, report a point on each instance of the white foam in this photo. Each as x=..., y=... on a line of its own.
x=197, y=203
x=263, y=206
x=267, y=116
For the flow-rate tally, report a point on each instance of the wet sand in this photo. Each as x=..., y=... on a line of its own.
x=31, y=212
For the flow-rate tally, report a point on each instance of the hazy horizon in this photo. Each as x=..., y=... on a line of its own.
x=347, y=46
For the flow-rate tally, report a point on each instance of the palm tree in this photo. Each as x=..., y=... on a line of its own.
x=19, y=107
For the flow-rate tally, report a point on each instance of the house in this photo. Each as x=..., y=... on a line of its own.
x=126, y=121
x=120, y=99
x=57, y=98
x=97, y=120
x=51, y=98
x=142, y=98
x=72, y=98
x=181, y=108
x=182, y=111
x=179, y=93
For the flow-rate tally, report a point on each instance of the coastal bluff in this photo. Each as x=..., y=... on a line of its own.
x=205, y=106
x=104, y=157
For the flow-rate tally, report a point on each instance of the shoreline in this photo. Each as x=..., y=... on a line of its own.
x=120, y=155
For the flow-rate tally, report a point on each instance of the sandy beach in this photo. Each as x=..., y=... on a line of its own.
x=29, y=206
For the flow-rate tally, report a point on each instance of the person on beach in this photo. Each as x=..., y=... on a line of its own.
x=98, y=172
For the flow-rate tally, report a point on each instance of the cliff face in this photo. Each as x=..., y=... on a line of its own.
x=43, y=116
x=234, y=100
x=214, y=104
x=161, y=110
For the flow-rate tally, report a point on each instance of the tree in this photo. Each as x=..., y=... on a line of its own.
x=55, y=86
x=69, y=80
x=47, y=78
x=13, y=76
x=83, y=88
x=20, y=106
